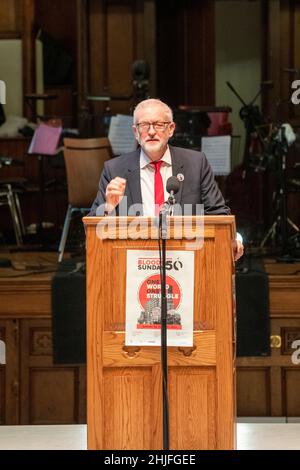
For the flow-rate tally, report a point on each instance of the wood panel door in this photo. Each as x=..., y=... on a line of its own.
x=50, y=394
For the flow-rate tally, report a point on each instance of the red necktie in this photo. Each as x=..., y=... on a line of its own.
x=159, y=195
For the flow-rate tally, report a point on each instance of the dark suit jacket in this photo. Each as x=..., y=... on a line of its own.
x=198, y=187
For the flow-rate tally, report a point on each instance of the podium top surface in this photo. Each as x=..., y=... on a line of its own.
x=208, y=219
x=186, y=226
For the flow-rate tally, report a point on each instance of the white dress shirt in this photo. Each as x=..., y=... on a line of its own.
x=147, y=180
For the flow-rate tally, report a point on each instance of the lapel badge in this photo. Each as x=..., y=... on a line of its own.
x=180, y=177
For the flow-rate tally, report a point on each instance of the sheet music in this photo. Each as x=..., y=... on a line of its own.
x=45, y=140
x=121, y=134
x=218, y=153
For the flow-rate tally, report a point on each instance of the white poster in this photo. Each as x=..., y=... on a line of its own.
x=143, y=298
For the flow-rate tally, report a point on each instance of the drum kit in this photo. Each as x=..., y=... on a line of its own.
x=266, y=151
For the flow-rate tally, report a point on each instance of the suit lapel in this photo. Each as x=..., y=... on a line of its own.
x=134, y=177
x=177, y=169
x=134, y=180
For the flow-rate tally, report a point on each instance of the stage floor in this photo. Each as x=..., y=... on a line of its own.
x=250, y=436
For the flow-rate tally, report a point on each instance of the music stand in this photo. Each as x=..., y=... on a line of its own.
x=44, y=144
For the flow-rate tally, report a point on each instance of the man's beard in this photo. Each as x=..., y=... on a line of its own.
x=151, y=147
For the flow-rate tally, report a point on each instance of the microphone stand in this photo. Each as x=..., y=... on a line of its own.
x=165, y=210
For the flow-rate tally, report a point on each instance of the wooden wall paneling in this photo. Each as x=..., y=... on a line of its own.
x=81, y=394
x=296, y=52
x=276, y=390
x=138, y=39
x=149, y=53
x=59, y=20
x=276, y=372
x=62, y=106
x=97, y=48
x=23, y=297
x=95, y=75
x=200, y=79
x=281, y=52
x=287, y=46
x=82, y=56
x=9, y=373
x=170, y=66
x=114, y=43
x=284, y=295
x=120, y=46
x=253, y=391
x=290, y=332
x=32, y=388
x=49, y=393
x=272, y=57
x=61, y=26
x=28, y=54
x=10, y=19
x=284, y=289
x=186, y=52
x=290, y=391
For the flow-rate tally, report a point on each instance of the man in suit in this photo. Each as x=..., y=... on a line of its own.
x=141, y=176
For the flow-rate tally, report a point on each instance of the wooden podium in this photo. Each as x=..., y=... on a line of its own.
x=124, y=395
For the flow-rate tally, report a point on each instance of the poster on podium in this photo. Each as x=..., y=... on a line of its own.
x=143, y=298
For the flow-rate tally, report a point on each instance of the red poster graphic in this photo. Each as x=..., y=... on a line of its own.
x=143, y=298
x=149, y=298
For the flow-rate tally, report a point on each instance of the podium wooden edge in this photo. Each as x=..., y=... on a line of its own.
x=208, y=220
x=211, y=219
x=100, y=357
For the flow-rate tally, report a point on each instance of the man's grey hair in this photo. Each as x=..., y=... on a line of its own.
x=153, y=102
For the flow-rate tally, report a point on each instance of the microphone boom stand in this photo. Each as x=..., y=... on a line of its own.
x=164, y=212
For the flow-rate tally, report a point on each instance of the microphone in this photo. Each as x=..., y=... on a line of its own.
x=172, y=185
